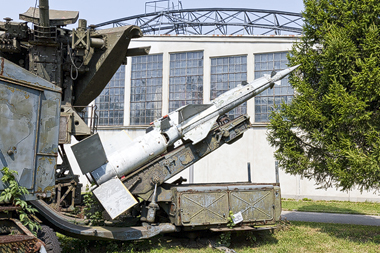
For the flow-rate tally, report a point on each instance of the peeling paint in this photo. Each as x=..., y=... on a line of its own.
x=1, y=66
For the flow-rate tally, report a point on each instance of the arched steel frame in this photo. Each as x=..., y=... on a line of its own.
x=210, y=21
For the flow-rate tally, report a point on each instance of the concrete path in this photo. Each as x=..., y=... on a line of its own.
x=368, y=220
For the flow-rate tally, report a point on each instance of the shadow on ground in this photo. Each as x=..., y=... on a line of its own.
x=293, y=234
x=327, y=209
x=182, y=242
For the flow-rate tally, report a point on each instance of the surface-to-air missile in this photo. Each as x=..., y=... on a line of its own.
x=189, y=123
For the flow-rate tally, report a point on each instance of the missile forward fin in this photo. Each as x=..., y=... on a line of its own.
x=200, y=132
x=268, y=77
x=188, y=111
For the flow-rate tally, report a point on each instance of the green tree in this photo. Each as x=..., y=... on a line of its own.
x=331, y=131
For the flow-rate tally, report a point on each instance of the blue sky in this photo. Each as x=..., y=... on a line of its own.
x=97, y=11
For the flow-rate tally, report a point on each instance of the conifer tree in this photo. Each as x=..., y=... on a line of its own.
x=331, y=130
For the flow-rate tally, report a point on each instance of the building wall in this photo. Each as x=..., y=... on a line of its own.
x=229, y=163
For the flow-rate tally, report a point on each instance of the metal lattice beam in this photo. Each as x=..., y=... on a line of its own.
x=208, y=21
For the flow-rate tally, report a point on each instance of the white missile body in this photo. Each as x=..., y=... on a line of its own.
x=190, y=122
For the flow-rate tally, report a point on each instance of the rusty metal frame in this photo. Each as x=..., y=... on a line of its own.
x=24, y=241
x=65, y=225
x=65, y=178
x=71, y=188
x=93, y=117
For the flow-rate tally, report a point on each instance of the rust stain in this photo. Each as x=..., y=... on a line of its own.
x=1, y=66
x=49, y=188
x=17, y=240
x=11, y=89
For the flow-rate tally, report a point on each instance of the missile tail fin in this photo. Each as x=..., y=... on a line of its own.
x=114, y=197
x=89, y=153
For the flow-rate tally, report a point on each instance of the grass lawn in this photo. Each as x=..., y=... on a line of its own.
x=297, y=237
x=306, y=205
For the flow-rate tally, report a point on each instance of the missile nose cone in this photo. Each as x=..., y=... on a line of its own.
x=293, y=68
x=288, y=70
x=281, y=74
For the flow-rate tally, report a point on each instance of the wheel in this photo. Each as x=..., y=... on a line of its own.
x=48, y=236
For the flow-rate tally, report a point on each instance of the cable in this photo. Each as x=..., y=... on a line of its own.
x=73, y=64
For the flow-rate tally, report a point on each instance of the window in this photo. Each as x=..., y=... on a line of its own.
x=146, y=89
x=226, y=74
x=265, y=102
x=186, y=79
x=110, y=103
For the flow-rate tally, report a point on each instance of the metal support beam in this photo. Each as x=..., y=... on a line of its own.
x=223, y=21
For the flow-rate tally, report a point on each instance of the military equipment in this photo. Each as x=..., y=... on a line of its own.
x=49, y=75
x=190, y=123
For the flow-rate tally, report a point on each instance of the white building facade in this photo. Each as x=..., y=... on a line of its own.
x=195, y=69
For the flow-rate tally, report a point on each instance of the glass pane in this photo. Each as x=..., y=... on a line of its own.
x=264, y=64
x=187, y=68
x=146, y=85
x=112, y=97
x=230, y=71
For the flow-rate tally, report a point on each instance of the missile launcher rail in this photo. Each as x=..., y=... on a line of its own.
x=142, y=181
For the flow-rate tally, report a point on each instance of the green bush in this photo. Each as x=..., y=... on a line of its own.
x=13, y=194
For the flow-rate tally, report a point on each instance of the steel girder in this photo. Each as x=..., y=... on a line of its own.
x=214, y=21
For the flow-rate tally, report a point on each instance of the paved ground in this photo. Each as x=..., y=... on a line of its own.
x=368, y=220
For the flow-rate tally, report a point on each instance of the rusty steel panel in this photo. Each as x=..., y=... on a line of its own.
x=15, y=237
x=19, y=107
x=103, y=67
x=64, y=136
x=30, y=108
x=210, y=204
x=277, y=203
x=202, y=208
x=49, y=124
x=18, y=243
x=254, y=204
x=56, y=17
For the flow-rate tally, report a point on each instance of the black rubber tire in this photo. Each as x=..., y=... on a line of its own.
x=48, y=236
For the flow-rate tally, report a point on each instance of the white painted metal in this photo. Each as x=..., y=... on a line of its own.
x=114, y=197
x=131, y=156
x=195, y=127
